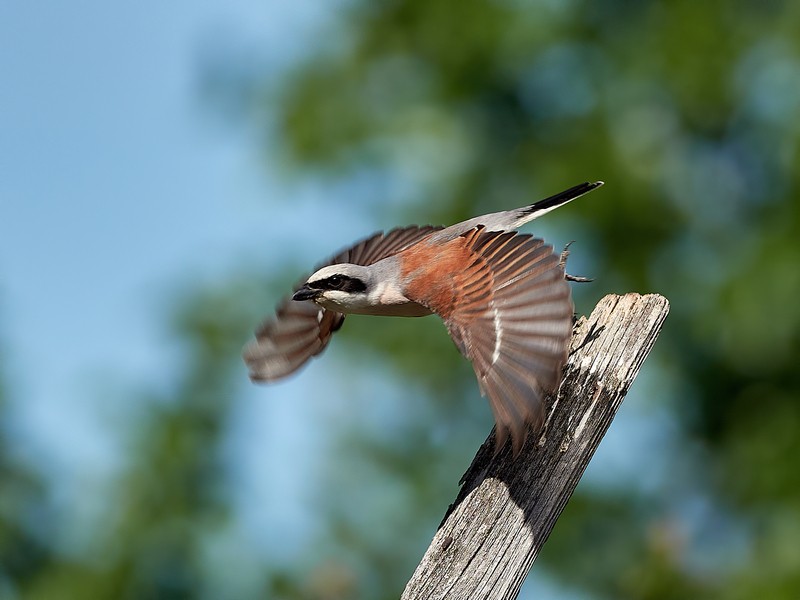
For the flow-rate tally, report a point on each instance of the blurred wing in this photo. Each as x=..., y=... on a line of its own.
x=298, y=331
x=381, y=245
x=510, y=313
x=301, y=330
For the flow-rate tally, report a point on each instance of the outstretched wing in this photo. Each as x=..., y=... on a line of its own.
x=300, y=330
x=509, y=311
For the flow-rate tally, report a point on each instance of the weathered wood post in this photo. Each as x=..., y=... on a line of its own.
x=507, y=507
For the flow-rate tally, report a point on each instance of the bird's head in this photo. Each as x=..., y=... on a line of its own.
x=343, y=288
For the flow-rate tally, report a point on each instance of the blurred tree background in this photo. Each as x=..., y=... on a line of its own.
x=410, y=111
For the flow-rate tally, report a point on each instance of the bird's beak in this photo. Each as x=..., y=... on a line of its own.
x=306, y=293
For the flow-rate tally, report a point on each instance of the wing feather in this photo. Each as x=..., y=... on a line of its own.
x=510, y=313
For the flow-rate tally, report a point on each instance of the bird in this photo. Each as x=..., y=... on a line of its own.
x=502, y=295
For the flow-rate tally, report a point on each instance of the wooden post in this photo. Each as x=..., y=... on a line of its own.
x=507, y=507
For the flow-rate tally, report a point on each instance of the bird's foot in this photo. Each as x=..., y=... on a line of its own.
x=563, y=264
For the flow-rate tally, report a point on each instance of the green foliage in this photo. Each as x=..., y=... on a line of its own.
x=24, y=552
x=689, y=111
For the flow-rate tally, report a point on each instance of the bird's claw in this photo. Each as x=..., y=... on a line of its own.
x=562, y=262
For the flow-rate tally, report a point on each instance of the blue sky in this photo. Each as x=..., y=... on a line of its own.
x=114, y=179
x=119, y=185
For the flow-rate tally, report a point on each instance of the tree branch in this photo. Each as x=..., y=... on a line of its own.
x=507, y=507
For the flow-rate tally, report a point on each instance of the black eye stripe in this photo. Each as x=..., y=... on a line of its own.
x=339, y=282
x=353, y=286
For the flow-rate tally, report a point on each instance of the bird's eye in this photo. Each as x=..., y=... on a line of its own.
x=335, y=282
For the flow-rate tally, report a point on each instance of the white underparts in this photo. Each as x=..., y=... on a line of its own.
x=387, y=294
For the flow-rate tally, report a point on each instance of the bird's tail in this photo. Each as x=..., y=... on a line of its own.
x=534, y=211
x=510, y=220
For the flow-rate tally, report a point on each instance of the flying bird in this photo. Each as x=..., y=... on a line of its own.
x=502, y=295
